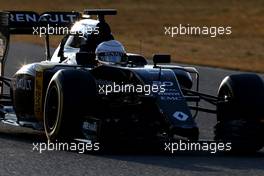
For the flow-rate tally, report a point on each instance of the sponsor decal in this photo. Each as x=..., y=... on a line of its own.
x=38, y=96
x=180, y=116
x=24, y=84
x=90, y=126
x=28, y=17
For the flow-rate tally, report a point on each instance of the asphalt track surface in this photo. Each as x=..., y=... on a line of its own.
x=18, y=158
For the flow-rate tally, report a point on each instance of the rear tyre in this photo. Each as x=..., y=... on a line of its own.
x=239, y=112
x=69, y=95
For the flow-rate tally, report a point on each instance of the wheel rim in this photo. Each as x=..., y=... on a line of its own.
x=52, y=109
x=225, y=93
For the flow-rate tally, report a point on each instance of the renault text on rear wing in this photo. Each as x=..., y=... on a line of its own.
x=25, y=22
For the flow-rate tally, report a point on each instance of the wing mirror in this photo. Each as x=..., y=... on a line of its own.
x=161, y=59
x=135, y=59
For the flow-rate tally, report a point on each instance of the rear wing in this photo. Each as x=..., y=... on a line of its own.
x=25, y=22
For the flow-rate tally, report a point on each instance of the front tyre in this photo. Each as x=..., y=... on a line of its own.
x=240, y=112
x=68, y=96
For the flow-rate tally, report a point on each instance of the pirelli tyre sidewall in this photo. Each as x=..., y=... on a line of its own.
x=68, y=97
x=240, y=116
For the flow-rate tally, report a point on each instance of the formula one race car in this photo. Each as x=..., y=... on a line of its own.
x=92, y=89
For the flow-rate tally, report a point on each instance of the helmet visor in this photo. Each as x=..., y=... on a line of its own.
x=112, y=57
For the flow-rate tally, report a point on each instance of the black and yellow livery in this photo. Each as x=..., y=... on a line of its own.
x=64, y=95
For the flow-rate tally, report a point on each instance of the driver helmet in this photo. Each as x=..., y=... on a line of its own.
x=111, y=51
